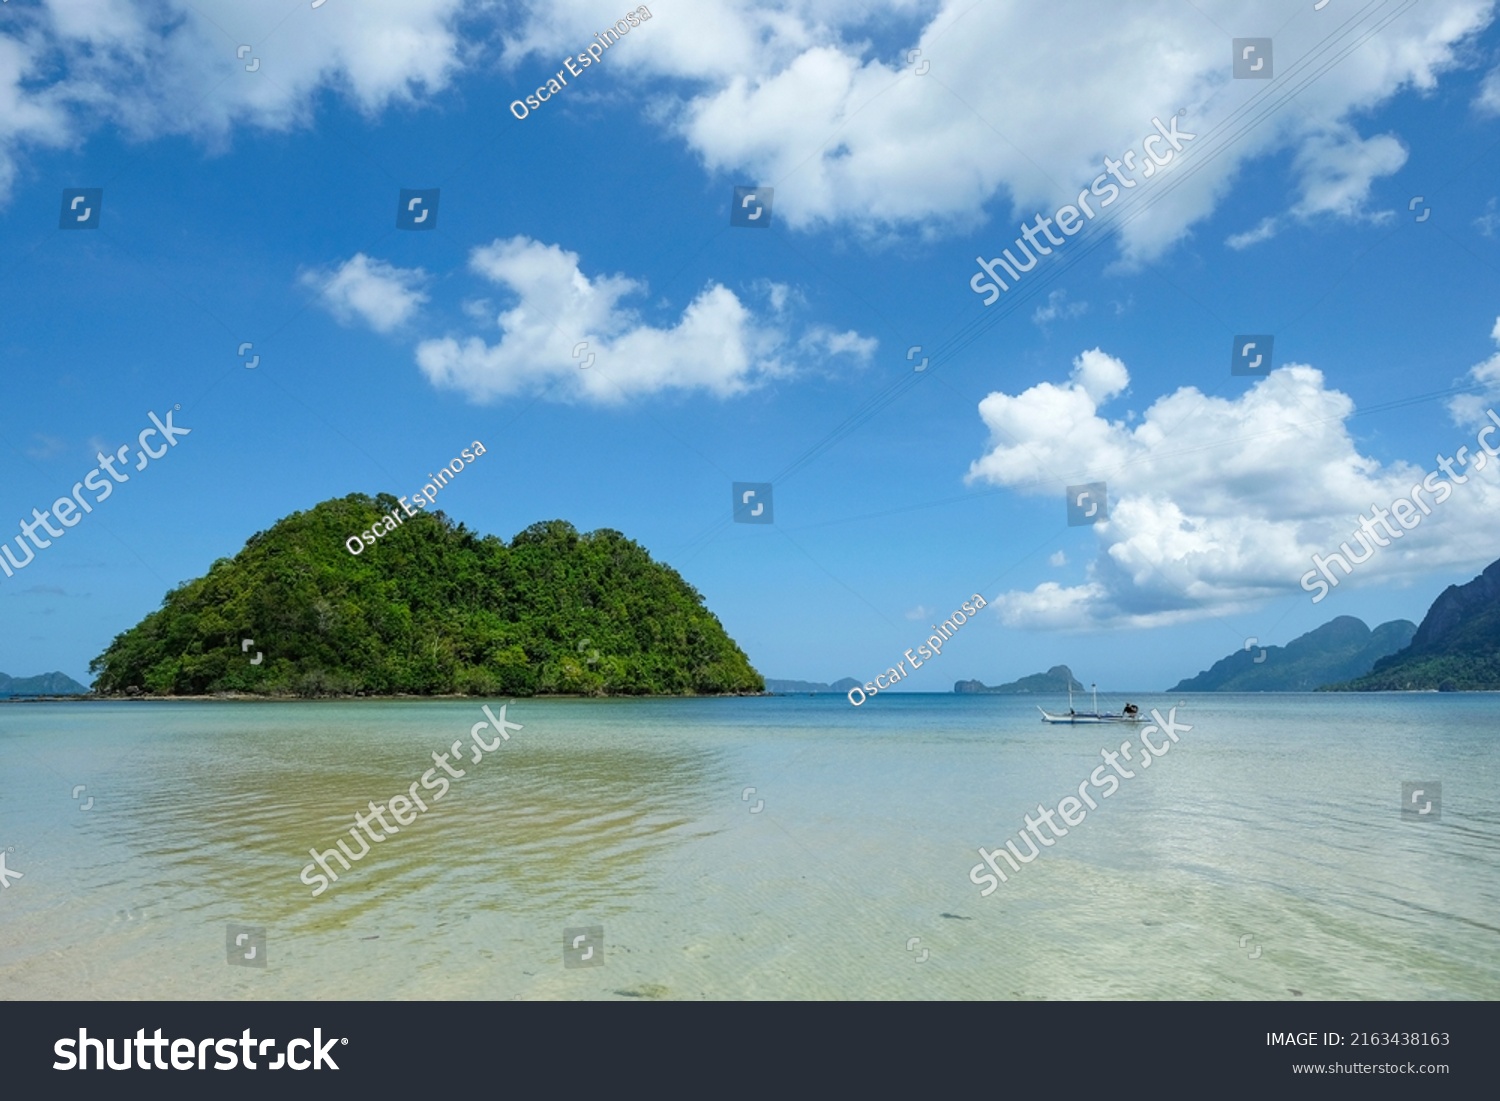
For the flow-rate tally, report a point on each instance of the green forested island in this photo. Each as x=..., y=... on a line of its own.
x=1340, y=650
x=432, y=608
x=1456, y=649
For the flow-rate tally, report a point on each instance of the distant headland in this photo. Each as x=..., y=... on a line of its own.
x=45, y=684
x=1053, y=682
x=810, y=687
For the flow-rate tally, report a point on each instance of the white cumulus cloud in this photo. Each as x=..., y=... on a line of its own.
x=1214, y=503
x=385, y=297
x=1471, y=410
x=156, y=67
x=1264, y=230
x=1015, y=112
x=1487, y=102
x=1058, y=306
x=717, y=345
x=1020, y=102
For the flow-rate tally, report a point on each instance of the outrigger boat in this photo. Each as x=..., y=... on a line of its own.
x=1131, y=713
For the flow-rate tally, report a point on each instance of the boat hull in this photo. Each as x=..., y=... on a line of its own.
x=1094, y=719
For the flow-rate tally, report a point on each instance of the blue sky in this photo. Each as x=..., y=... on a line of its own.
x=260, y=207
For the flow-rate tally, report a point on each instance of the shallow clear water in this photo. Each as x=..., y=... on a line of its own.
x=1265, y=853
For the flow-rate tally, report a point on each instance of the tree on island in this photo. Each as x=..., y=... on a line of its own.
x=433, y=608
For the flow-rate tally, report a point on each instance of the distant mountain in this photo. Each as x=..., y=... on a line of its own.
x=1053, y=681
x=46, y=684
x=1340, y=650
x=786, y=687
x=1457, y=648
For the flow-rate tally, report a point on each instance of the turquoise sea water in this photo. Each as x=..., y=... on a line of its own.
x=1264, y=854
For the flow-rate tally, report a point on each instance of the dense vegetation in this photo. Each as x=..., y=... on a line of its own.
x=1444, y=672
x=430, y=608
x=1456, y=649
